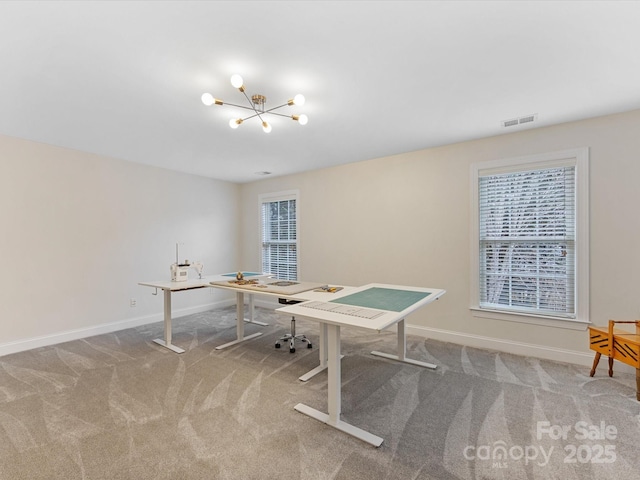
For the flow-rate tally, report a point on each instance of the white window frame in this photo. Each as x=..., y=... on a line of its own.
x=277, y=197
x=578, y=157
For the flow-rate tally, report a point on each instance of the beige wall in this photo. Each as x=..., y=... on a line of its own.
x=79, y=231
x=405, y=219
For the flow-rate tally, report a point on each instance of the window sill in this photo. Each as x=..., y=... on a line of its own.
x=541, y=320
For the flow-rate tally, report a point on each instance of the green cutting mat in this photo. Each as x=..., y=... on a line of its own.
x=244, y=274
x=383, y=298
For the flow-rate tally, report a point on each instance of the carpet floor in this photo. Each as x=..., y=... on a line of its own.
x=118, y=406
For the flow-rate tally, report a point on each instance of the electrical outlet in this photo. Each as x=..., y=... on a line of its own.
x=132, y=302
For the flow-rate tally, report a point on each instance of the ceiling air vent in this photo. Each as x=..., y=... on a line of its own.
x=519, y=121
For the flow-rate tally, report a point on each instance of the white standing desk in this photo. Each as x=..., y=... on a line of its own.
x=222, y=281
x=308, y=293
x=372, y=307
x=169, y=287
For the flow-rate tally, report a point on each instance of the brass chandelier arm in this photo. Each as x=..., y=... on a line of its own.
x=256, y=105
x=272, y=113
x=239, y=106
x=250, y=116
x=275, y=108
x=256, y=113
x=253, y=106
x=276, y=113
x=271, y=110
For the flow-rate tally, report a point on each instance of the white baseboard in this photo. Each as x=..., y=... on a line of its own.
x=516, y=348
x=489, y=343
x=477, y=341
x=69, y=335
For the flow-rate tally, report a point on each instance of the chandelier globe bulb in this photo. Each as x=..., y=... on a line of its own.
x=207, y=99
x=236, y=80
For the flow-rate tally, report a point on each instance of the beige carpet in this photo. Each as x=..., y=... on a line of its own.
x=118, y=406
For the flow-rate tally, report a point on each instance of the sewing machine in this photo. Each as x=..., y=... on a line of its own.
x=180, y=271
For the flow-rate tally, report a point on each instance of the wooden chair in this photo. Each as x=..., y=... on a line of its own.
x=617, y=344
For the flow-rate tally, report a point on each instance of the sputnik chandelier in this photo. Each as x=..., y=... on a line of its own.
x=257, y=106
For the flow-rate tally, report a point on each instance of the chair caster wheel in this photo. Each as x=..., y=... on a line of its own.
x=309, y=345
x=292, y=350
x=277, y=345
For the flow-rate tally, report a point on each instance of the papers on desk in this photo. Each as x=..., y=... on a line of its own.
x=328, y=289
x=268, y=286
x=344, y=309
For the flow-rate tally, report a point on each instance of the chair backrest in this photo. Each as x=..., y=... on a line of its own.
x=612, y=324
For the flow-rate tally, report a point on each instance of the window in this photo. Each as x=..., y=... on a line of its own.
x=279, y=229
x=531, y=236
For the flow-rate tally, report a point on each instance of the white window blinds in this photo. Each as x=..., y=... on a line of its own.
x=527, y=234
x=279, y=239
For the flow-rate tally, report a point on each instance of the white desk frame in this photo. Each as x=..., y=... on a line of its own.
x=301, y=297
x=170, y=287
x=332, y=322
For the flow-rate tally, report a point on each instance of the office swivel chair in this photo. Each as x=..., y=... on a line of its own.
x=292, y=337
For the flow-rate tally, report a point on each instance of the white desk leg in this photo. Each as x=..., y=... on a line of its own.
x=402, y=341
x=239, y=315
x=251, y=318
x=334, y=394
x=239, y=324
x=323, y=341
x=167, y=325
x=322, y=353
x=334, y=374
x=402, y=350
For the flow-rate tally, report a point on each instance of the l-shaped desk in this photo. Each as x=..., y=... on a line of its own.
x=300, y=292
x=372, y=307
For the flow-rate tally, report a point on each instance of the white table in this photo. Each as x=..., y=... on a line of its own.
x=222, y=281
x=309, y=293
x=387, y=305
x=169, y=287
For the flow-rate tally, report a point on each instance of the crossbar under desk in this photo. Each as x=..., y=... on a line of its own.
x=402, y=350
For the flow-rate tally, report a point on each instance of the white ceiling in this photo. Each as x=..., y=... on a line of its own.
x=124, y=79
